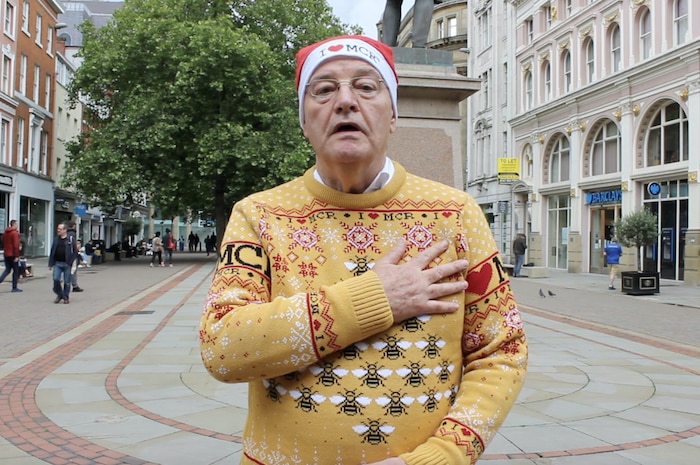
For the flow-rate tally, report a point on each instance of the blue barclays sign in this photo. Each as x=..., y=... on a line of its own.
x=611, y=196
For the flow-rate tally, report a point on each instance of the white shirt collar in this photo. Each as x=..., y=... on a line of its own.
x=382, y=178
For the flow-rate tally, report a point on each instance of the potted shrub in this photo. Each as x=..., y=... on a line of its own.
x=638, y=230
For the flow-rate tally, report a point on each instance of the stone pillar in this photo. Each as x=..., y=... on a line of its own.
x=428, y=140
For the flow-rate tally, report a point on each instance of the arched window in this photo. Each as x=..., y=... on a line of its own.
x=546, y=81
x=566, y=67
x=645, y=42
x=528, y=90
x=559, y=160
x=680, y=21
x=615, y=49
x=667, y=140
x=589, y=68
x=606, y=153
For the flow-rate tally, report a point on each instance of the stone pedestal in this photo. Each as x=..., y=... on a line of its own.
x=429, y=140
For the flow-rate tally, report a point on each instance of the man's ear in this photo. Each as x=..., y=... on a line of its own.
x=392, y=125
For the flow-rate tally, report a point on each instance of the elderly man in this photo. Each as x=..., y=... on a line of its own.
x=366, y=307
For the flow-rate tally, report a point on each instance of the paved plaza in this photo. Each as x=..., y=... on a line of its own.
x=115, y=376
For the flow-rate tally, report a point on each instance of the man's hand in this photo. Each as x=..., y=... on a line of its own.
x=390, y=461
x=412, y=289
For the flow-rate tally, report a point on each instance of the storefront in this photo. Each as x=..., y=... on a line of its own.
x=668, y=200
x=558, y=223
x=605, y=207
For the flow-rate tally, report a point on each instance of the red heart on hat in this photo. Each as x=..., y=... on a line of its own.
x=335, y=48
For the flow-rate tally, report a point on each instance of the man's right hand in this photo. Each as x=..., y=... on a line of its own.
x=413, y=290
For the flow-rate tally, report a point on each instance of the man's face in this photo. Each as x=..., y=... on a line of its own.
x=348, y=128
x=61, y=230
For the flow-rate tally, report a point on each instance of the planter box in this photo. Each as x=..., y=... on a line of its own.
x=640, y=282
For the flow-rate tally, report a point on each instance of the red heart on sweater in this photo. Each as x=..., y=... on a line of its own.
x=335, y=48
x=446, y=214
x=373, y=215
x=479, y=280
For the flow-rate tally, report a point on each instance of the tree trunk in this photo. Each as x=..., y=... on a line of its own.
x=221, y=210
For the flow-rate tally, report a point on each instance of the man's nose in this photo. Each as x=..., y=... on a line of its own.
x=346, y=98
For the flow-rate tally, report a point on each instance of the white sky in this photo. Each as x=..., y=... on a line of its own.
x=365, y=13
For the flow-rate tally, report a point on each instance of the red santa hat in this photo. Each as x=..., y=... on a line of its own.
x=370, y=50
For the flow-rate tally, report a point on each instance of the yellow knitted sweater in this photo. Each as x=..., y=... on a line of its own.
x=295, y=310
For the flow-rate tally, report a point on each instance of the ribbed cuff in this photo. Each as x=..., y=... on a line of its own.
x=369, y=303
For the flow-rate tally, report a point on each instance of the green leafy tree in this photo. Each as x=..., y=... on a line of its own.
x=637, y=229
x=192, y=103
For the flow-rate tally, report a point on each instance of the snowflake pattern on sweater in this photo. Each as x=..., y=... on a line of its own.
x=296, y=311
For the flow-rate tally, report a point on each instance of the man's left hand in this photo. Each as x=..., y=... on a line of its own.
x=390, y=461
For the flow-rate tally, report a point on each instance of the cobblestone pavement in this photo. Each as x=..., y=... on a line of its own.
x=115, y=376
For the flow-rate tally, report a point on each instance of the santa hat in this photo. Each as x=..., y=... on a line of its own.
x=370, y=50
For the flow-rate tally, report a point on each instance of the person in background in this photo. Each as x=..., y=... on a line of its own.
x=169, y=246
x=157, y=248
x=612, y=254
x=366, y=307
x=72, y=231
x=12, y=252
x=519, y=247
x=64, y=253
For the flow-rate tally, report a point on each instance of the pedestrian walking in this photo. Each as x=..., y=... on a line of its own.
x=365, y=306
x=169, y=246
x=612, y=253
x=12, y=251
x=64, y=253
x=157, y=248
x=519, y=247
x=72, y=231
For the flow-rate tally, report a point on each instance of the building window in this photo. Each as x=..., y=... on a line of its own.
x=567, y=7
x=9, y=19
x=615, y=48
x=590, y=61
x=5, y=155
x=47, y=92
x=529, y=30
x=20, y=142
x=35, y=87
x=606, y=153
x=566, y=66
x=546, y=81
x=645, y=42
x=441, y=29
x=37, y=30
x=547, y=12
x=667, y=141
x=528, y=90
x=486, y=94
x=504, y=97
x=452, y=26
x=49, y=41
x=680, y=21
x=6, y=74
x=23, y=74
x=559, y=160
x=25, y=16
x=44, y=153
x=484, y=27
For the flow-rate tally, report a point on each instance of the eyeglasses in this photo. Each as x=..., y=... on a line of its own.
x=324, y=89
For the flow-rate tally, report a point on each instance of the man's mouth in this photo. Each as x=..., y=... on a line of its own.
x=346, y=127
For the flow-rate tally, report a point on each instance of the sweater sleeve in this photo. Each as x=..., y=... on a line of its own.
x=246, y=333
x=494, y=351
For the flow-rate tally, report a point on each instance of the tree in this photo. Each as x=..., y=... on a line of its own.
x=637, y=229
x=192, y=103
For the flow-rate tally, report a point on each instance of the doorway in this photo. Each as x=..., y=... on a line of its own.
x=602, y=231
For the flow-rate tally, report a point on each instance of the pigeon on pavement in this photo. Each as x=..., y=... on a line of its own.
x=550, y=293
x=542, y=293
